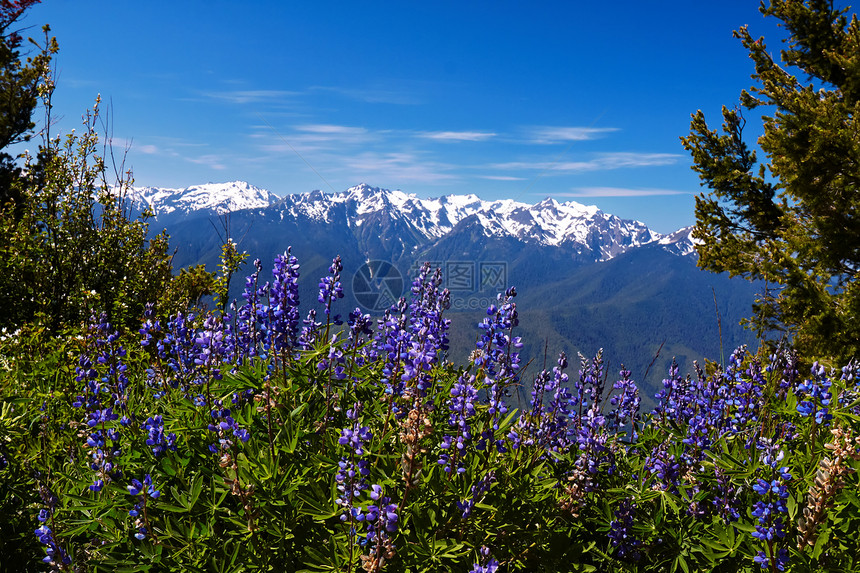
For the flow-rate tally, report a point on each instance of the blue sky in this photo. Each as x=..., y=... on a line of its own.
x=571, y=100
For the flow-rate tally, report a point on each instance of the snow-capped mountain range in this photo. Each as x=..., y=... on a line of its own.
x=588, y=231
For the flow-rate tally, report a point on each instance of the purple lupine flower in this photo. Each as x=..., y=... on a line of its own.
x=788, y=361
x=780, y=559
x=143, y=488
x=815, y=396
x=56, y=557
x=587, y=427
x=351, y=481
x=852, y=391
x=462, y=407
x=249, y=333
x=283, y=311
x=498, y=355
x=105, y=397
x=310, y=331
x=360, y=325
x=225, y=428
x=142, y=491
x=545, y=424
x=747, y=393
x=672, y=398
x=621, y=533
x=478, y=490
x=175, y=346
x=428, y=327
x=150, y=327
x=382, y=520
x=557, y=418
x=391, y=341
x=352, y=470
x=105, y=448
x=490, y=565
x=771, y=510
x=665, y=467
x=331, y=290
x=209, y=348
x=625, y=404
x=334, y=362
x=726, y=500
x=156, y=439
x=355, y=438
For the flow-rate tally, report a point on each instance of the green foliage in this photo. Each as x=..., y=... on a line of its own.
x=22, y=83
x=269, y=504
x=187, y=289
x=231, y=260
x=75, y=250
x=792, y=221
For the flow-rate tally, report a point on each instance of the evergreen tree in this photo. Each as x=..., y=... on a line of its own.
x=794, y=220
x=21, y=82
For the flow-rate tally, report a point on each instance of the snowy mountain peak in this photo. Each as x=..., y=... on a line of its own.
x=364, y=190
x=549, y=223
x=209, y=198
x=548, y=203
x=681, y=242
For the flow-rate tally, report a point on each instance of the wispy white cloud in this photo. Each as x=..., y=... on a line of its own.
x=166, y=147
x=211, y=161
x=633, y=159
x=619, y=192
x=250, y=96
x=398, y=167
x=558, y=134
x=372, y=95
x=602, y=162
x=165, y=142
x=458, y=135
x=330, y=129
x=314, y=137
x=501, y=177
x=147, y=149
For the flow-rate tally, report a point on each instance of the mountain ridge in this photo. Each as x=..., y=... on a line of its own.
x=585, y=230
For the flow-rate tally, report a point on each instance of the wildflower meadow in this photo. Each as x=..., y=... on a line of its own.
x=271, y=437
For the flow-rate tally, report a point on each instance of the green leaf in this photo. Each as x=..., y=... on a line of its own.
x=712, y=544
x=314, y=508
x=821, y=543
x=173, y=508
x=196, y=488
